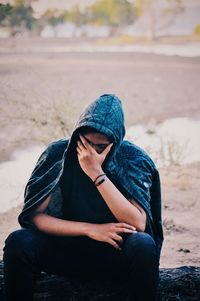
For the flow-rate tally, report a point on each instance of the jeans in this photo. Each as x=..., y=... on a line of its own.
x=28, y=252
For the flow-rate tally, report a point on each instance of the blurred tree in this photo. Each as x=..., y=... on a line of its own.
x=111, y=12
x=75, y=15
x=18, y=17
x=197, y=29
x=5, y=10
x=22, y=15
x=161, y=13
x=52, y=17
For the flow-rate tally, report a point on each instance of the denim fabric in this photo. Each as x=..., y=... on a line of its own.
x=28, y=252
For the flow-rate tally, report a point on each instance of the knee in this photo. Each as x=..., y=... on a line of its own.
x=141, y=246
x=18, y=243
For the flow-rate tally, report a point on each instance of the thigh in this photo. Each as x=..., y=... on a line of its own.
x=76, y=255
x=37, y=250
x=82, y=256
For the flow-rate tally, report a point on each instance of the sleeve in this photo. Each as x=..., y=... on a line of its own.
x=39, y=174
x=137, y=181
x=141, y=182
x=43, y=180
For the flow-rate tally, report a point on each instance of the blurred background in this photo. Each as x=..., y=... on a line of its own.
x=57, y=56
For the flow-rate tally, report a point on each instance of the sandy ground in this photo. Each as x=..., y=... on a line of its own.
x=40, y=91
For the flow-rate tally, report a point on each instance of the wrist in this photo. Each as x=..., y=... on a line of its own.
x=95, y=174
x=100, y=180
x=87, y=229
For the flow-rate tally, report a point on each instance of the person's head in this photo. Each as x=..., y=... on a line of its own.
x=102, y=123
x=96, y=139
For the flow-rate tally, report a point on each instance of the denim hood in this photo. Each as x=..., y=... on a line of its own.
x=106, y=116
x=129, y=168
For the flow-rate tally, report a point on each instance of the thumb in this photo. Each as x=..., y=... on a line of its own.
x=106, y=150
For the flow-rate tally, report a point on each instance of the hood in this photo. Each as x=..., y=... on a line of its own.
x=105, y=115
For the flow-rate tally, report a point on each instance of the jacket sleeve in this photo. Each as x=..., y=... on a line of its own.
x=43, y=180
x=141, y=182
x=137, y=181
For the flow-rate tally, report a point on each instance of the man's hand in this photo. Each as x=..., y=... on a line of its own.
x=90, y=161
x=110, y=232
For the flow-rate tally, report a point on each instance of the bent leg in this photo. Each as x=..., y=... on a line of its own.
x=27, y=252
x=21, y=257
x=143, y=275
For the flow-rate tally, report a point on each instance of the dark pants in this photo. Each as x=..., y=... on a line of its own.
x=28, y=252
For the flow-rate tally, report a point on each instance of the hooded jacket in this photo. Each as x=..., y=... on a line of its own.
x=129, y=167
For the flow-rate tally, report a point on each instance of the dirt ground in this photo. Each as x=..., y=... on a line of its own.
x=42, y=94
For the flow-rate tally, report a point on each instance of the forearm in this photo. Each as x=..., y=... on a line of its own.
x=55, y=226
x=91, y=161
x=122, y=209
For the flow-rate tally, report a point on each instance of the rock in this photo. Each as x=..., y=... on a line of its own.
x=176, y=284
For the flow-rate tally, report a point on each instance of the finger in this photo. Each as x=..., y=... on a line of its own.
x=114, y=244
x=106, y=150
x=124, y=230
x=87, y=145
x=78, y=154
x=125, y=225
x=80, y=144
x=84, y=142
x=78, y=150
x=117, y=237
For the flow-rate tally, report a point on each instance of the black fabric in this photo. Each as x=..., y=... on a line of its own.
x=81, y=200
